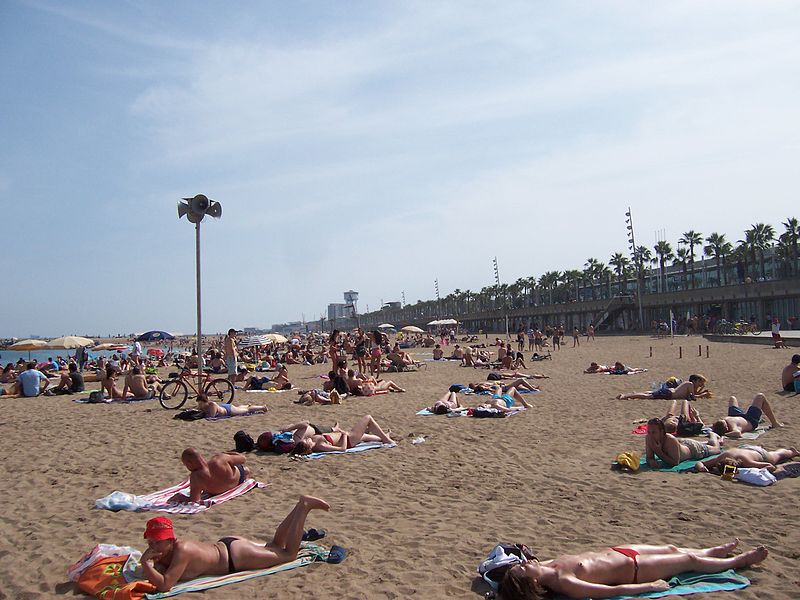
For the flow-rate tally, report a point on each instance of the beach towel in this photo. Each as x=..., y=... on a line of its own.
x=308, y=553
x=641, y=429
x=755, y=434
x=360, y=448
x=269, y=391
x=159, y=501
x=686, y=465
x=697, y=583
x=115, y=400
x=220, y=417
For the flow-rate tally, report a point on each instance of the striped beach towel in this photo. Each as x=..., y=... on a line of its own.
x=159, y=501
x=308, y=553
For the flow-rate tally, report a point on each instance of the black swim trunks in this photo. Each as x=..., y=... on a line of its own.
x=752, y=416
x=228, y=541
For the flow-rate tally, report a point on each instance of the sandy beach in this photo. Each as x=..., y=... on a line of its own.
x=416, y=519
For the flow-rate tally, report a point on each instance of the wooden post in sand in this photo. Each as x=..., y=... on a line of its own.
x=706, y=351
x=651, y=352
x=680, y=351
x=699, y=350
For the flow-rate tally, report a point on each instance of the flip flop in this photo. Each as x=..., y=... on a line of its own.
x=312, y=535
x=336, y=555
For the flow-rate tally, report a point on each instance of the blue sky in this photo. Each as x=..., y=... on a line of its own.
x=373, y=146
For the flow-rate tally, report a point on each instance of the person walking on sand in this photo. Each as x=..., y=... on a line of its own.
x=738, y=421
x=218, y=474
x=169, y=560
x=626, y=570
x=231, y=354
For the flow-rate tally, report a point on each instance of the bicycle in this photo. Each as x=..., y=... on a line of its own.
x=175, y=392
x=745, y=327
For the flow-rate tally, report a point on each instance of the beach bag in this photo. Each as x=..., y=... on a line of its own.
x=487, y=413
x=689, y=428
x=494, y=377
x=501, y=559
x=753, y=476
x=104, y=580
x=191, y=414
x=97, y=397
x=244, y=443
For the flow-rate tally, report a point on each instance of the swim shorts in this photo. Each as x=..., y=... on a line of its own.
x=752, y=416
x=230, y=362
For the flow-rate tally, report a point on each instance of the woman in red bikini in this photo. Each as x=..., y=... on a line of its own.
x=621, y=571
x=366, y=430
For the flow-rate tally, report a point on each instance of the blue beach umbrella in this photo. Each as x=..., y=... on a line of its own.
x=152, y=336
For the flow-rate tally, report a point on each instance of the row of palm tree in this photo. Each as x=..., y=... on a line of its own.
x=598, y=281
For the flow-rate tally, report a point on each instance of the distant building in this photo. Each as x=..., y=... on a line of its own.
x=338, y=311
x=254, y=330
x=392, y=305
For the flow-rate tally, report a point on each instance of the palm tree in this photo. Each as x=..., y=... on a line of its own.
x=719, y=248
x=790, y=238
x=620, y=263
x=572, y=278
x=664, y=252
x=691, y=238
x=590, y=270
x=641, y=257
x=682, y=259
x=761, y=237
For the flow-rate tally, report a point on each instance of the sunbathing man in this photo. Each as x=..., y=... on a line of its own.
x=220, y=473
x=685, y=423
x=694, y=388
x=738, y=421
x=488, y=386
x=139, y=385
x=366, y=430
x=503, y=399
x=71, y=382
x=620, y=571
x=169, y=560
x=447, y=403
x=787, y=375
x=672, y=451
x=747, y=456
x=223, y=409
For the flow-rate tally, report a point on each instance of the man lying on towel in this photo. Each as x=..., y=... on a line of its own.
x=218, y=474
x=168, y=560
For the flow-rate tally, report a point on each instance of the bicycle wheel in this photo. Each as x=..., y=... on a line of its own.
x=219, y=390
x=173, y=394
x=755, y=330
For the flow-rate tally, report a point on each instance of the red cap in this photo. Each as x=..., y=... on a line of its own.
x=159, y=528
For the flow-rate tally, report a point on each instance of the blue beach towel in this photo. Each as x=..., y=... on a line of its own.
x=360, y=448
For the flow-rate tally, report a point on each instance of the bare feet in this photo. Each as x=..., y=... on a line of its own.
x=312, y=502
x=752, y=557
x=794, y=451
x=723, y=550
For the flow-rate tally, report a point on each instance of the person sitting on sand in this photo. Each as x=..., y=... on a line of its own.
x=223, y=409
x=694, y=388
x=626, y=570
x=218, y=474
x=664, y=446
x=139, y=385
x=787, y=375
x=31, y=382
x=747, y=456
x=513, y=360
x=169, y=560
x=738, y=421
x=447, y=403
x=9, y=374
x=365, y=430
x=685, y=423
x=505, y=398
x=458, y=353
x=438, y=353
x=71, y=382
x=279, y=382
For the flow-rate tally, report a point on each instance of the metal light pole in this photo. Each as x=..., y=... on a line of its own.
x=497, y=281
x=438, y=300
x=195, y=209
x=632, y=242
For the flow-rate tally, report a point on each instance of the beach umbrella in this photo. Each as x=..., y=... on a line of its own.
x=386, y=326
x=276, y=337
x=158, y=352
x=251, y=341
x=155, y=335
x=68, y=342
x=435, y=323
x=412, y=329
x=28, y=345
x=104, y=346
x=448, y=322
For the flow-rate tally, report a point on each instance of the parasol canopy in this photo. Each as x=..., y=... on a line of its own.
x=68, y=342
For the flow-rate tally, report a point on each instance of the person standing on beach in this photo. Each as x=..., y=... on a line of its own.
x=576, y=334
x=231, y=354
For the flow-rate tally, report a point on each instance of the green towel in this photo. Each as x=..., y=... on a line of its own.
x=696, y=583
x=686, y=465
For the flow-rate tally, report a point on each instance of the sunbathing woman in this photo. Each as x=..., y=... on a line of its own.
x=109, y=383
x=223, y=409
x=280, y=381
x=368, y=388
x=447, y=403
x=620, y=571
x=747, y=456
x=662, y=445
x=488, y=386
x=366, y=430
x=688, y=390
x=515, y=375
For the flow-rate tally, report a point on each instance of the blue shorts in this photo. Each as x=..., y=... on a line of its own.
x=230, y=362
x=505, y=398
x=752, y=416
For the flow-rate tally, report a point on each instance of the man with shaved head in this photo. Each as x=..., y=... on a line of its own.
x=218, y=474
